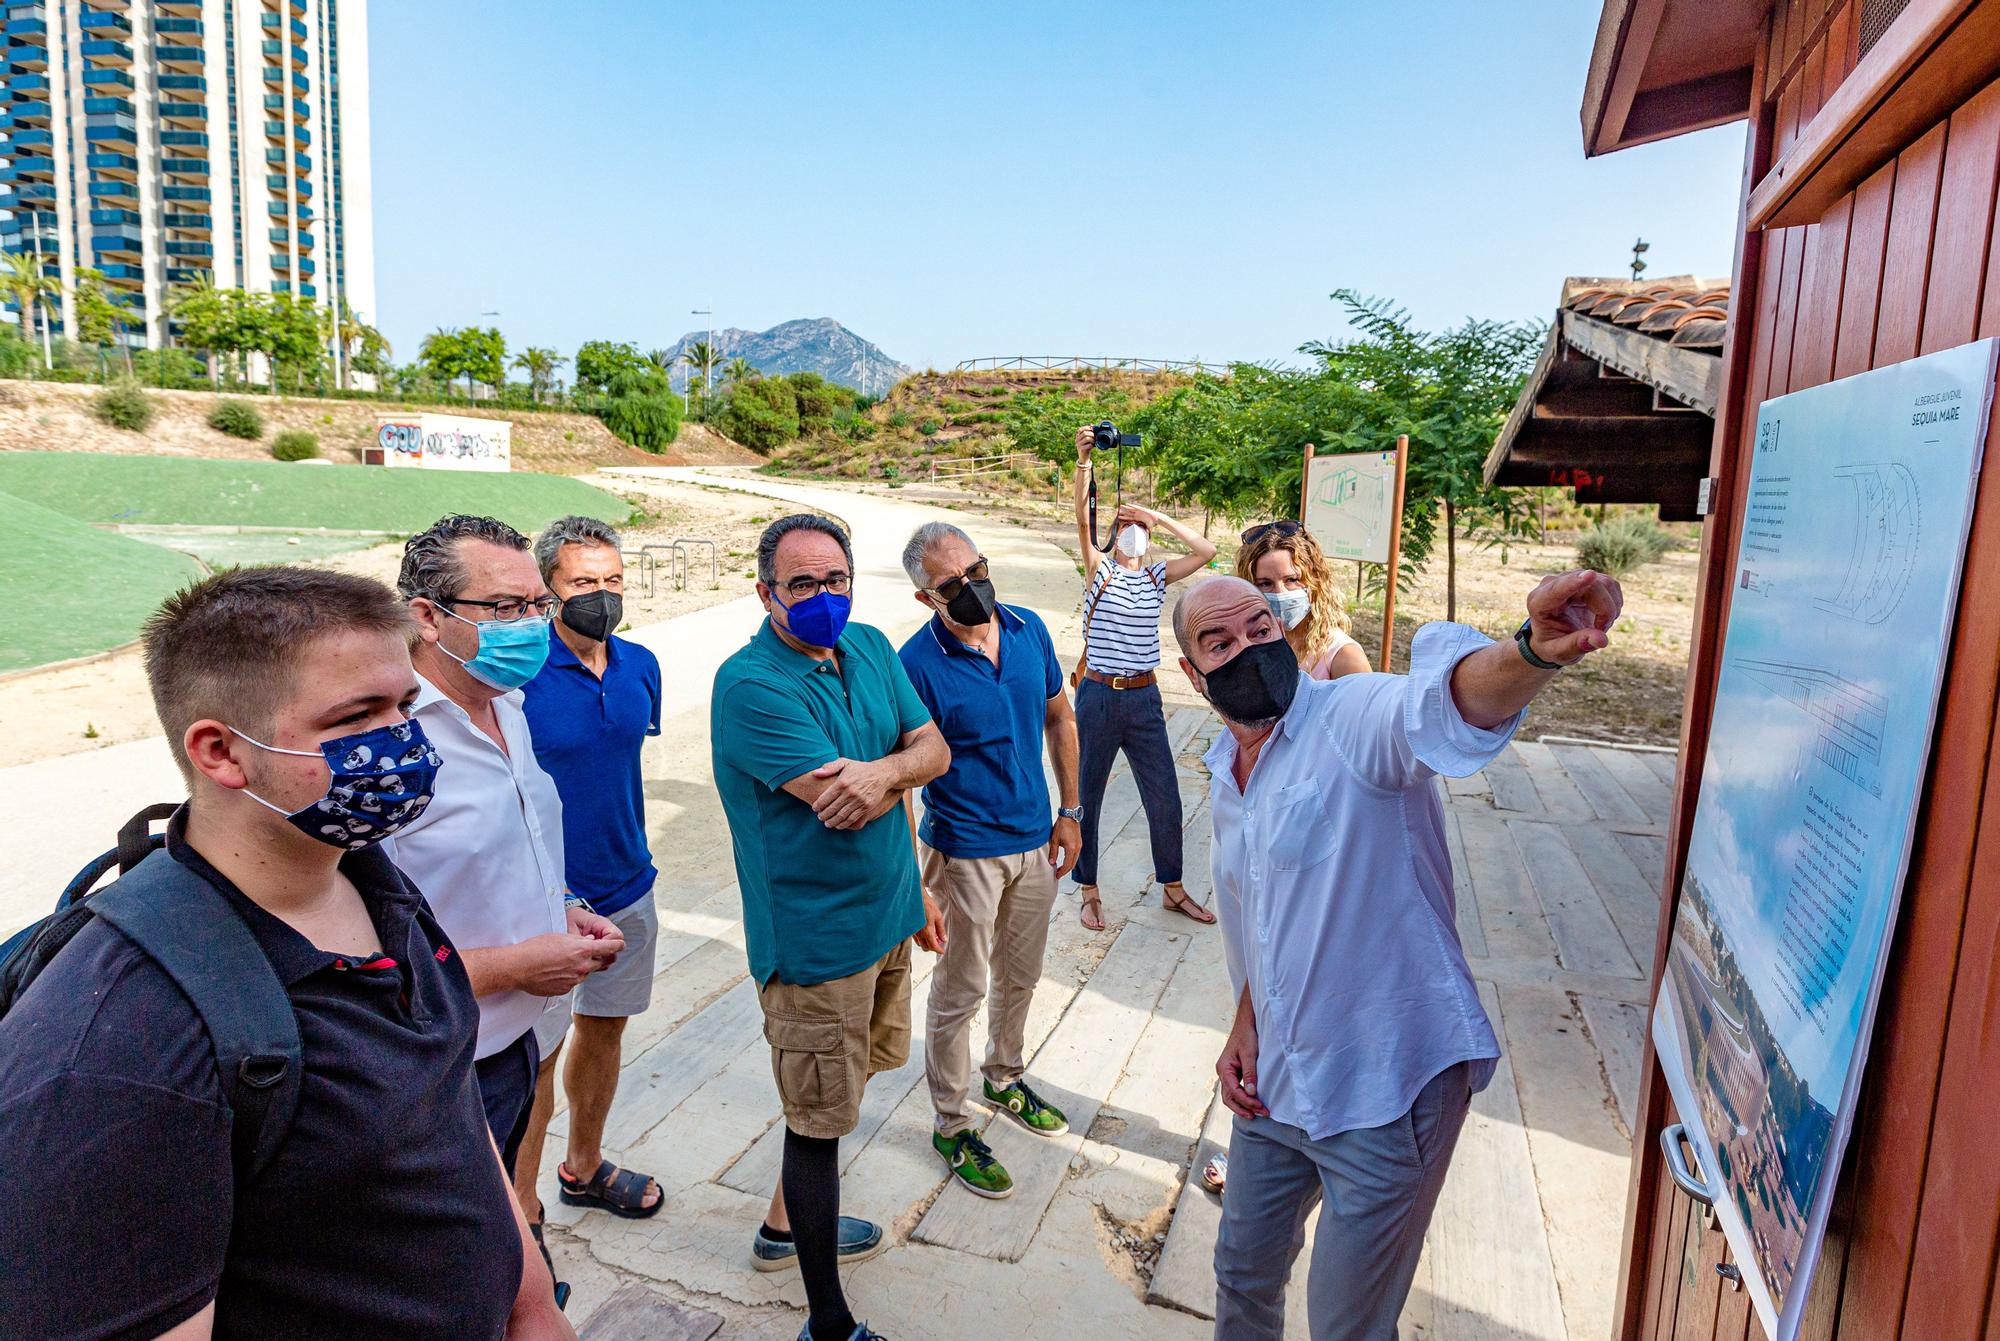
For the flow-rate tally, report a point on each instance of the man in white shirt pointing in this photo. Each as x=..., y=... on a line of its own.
x=1359, y=1039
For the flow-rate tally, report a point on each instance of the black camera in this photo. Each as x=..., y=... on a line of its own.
x=1105, y=436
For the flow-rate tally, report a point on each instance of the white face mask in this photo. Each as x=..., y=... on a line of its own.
x=1132, y=540
x=1289, y=607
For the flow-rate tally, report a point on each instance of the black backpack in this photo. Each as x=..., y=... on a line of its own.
x=186, y=927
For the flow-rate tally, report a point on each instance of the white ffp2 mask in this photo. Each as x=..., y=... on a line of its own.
x=1132, y=540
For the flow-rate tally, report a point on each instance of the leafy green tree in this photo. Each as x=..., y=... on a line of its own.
x=197, y=309
x=818, y=401
x=644, y=411
x=599, y=362
x=445, y=357
x=100, y=318
x=485, y=357
x=1045, y=422
x=541, y=365
x=24, y=284
x=762, y=414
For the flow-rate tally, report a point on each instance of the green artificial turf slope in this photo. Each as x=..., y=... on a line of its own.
x=70, y=589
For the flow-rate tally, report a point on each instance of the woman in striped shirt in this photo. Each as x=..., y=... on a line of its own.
x=1118, y=696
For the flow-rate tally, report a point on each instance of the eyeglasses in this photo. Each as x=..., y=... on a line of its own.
x=803, y=588
x=948, y=589
x=507, y=611
x=1284, y=527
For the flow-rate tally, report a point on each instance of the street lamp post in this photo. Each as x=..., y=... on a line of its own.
x=710, y=314
x=503, y=368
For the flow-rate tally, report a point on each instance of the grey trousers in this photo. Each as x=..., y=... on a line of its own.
x=1377, y=1185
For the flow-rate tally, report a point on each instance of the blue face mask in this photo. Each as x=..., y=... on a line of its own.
x=382, y=779
x=509, y=655
x=817, y=621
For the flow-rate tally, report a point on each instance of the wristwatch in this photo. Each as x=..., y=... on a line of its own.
x=1528, y=653
x=1071, y=813
x=577, y=901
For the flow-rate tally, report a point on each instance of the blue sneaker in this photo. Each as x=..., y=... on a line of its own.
x=859, y=1241
x=861, y=1333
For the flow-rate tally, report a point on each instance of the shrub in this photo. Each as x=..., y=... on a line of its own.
x=762, y=414
x=818, y=400
x=237, y=418
x=295, y=444
x=899, y=419
x=123, y=405
x=1623, y=544
x=648, y=419
x=928, y=427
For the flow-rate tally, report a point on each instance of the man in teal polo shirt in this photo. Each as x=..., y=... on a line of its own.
x=817, y=734
x=993, y=851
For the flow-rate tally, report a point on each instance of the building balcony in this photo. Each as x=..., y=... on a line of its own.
x=306, y=266
x=272, y=22
x=178, y=248
x=184, y=111
x=274, y=77
x=107, y=51
x=114, y=218
x=117, y=244
x=30, y=113
x=27, y=85
x=112, y=165
x=300, y=84
x=99, y=106
x=274, y=156
x=105, y=23
x=185, y=139
x=306, y=243
x=183, y=83
x=185, y=275
x=118, y=6
x=186, y=194
x=124, y=274
x=26, y=195
x=28, y=139
x=298, y=8
x=35, y=24
x=187, y=60
x=39, y=167
x=281, y=286
x=281, y=260
x=305, y=214
x=112, y=137
x=308, y=291
x=114, y=80
x=303, y=163
x=178, y=27
x=302, y=109
x=28, y=57
x=192, y=223
x=189, y=8
x=194, y=169
x=111, y=189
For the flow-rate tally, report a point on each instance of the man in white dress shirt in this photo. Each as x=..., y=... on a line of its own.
x=488, y=852
x=1359, y=1039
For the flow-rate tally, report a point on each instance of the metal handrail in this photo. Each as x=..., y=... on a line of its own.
x=645, y=566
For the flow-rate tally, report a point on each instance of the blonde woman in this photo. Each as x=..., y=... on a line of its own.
x=1282, y=560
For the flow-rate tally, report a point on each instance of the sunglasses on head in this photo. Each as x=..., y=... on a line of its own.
x=1285, y=526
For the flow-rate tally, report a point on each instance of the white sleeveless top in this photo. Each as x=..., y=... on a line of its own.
x=1124, y=619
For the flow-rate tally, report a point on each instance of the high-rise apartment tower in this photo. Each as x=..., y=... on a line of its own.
x=161, y=140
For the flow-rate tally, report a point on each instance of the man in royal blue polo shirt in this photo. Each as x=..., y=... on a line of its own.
x=988, y=674
x=589, y=711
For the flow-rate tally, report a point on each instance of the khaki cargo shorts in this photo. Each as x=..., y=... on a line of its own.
x=827, y=1039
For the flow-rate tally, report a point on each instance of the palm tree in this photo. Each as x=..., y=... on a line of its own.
x=739, y=369
x=350, y=330
x=25, y=286
x=541, y=365
x=702, y=358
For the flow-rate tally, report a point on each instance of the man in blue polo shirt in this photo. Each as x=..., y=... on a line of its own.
x=817, y=735
x=589, y=711
x=988, y=674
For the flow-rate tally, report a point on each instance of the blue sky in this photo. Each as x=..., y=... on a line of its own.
x=1166, y=180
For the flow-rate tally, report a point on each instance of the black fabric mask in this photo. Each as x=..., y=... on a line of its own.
x=595, y=614
x=1256, y=685
x=972, y=606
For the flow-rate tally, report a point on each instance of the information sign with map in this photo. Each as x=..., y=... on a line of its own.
x=1350, y=504
x=1858, y=505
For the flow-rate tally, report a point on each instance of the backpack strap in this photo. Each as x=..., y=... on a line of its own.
x=190, y=931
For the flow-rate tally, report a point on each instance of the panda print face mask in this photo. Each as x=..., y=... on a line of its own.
x=381, y=780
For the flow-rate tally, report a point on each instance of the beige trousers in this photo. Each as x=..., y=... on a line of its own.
x=996, y=927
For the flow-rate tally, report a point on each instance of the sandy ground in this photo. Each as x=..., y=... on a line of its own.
x=103, y=702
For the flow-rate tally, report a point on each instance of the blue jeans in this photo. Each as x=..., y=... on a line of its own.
x=1108, y=720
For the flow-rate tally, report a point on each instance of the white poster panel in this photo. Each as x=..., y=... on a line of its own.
x=1350, y=504
x=1860, y=498
x=444, y=442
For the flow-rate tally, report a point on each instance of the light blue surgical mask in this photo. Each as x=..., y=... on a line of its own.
x=510, y=654
x=1289, y=608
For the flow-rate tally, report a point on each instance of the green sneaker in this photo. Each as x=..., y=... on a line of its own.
x=971, y=1161
x=1028, y=1108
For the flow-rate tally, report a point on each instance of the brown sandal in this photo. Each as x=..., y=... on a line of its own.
x=1093, y=906
x=1185, y=905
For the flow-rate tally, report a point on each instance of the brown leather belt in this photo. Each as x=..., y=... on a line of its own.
x=1139, y=681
